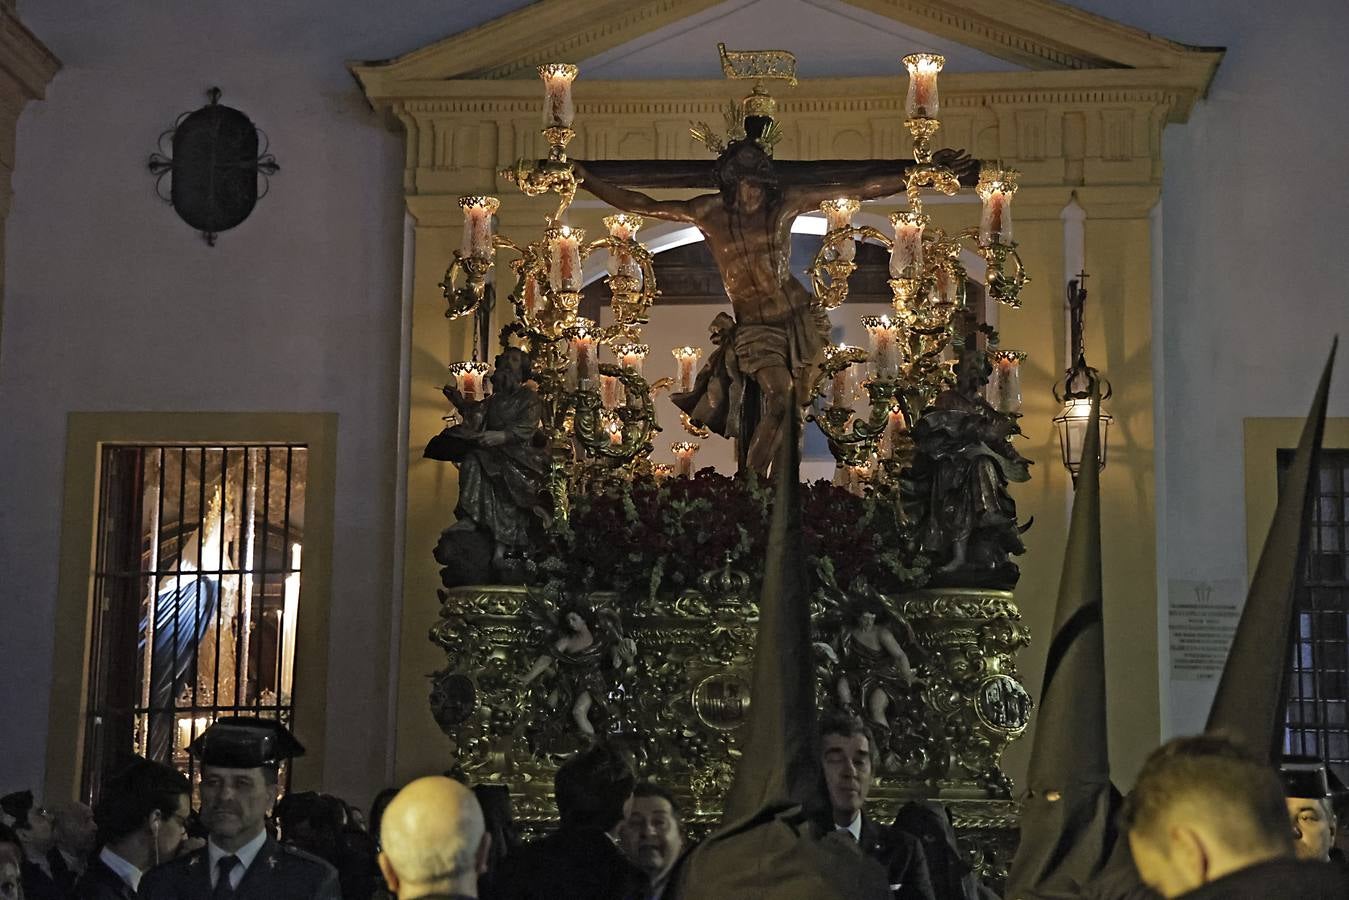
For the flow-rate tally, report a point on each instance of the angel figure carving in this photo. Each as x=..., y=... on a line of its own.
x=583, y=647
x=872, y=674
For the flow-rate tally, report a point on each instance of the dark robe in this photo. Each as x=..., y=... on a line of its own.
x=1279, y=878
x=902, y=856
x=277, y=871
x=577, y=863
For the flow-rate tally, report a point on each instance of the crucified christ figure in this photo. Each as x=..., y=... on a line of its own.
x=780, y=333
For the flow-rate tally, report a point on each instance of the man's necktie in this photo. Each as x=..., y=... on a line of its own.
x=224, y=868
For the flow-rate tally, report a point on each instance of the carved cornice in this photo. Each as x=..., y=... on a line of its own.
x=25, y=62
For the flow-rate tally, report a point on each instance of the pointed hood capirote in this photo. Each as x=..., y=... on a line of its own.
x=1067, y=817
x=1253, y=691
x=769, y=845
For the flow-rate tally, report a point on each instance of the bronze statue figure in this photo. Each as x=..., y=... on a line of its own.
x=583, y=645
x=956, y=489
x=780, y=333
x=502, y=470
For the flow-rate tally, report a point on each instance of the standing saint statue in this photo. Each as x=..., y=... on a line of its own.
x=502, y=469
x=780, y=333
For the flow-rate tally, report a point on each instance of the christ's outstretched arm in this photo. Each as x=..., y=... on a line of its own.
x=874, y=184
x=635, y=201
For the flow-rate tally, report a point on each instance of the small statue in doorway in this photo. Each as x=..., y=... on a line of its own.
x=956, y=489
x=503, y=470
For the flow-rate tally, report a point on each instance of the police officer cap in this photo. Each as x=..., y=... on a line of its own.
x=1304, y=776
x=245, y=742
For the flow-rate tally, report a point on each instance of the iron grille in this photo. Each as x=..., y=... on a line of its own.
x=196, y=590
x=1316, y=724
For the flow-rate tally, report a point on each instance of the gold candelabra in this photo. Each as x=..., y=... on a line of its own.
x=910, y=357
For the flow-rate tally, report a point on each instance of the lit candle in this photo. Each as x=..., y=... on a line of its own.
x=906, y=256
x=921, y=100
x=894, y=428
x=558, y=110
x=1004, y=383
x=661, y=471
x=843, y=389
x=838, y=213
x=533, y=296
x=686, y=358
x=632, y=356
x=946, y=287
x=611, y=391
x=684, y=452
x=996, y=187
x=581, y=355
x=884, y=334
x=564, y=258
x=623, y=227
x=469, y=378
x=478, y=212
x=615, y=432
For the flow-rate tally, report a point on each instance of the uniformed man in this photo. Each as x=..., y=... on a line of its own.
x=1306, y=786
x=239, y=757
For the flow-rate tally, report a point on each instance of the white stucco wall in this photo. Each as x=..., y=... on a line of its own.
x=113, y=303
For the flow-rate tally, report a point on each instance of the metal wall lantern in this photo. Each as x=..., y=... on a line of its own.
x=1074, y=392
x=213, y=159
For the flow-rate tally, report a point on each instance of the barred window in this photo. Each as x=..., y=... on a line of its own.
x=1319, y=684
x=196, y=588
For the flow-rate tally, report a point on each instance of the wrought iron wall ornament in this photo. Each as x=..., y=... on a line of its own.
x=213, y=158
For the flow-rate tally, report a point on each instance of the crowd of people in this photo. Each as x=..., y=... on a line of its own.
x=1205, y=819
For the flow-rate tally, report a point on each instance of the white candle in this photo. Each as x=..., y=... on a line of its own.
x=884, y=334
x=906, y=256
x=564, y=258
x=684, y=452
x=686, y=359
x=632, y=356
x=843, y=388
x=894, y=427
x=558, y=110
x=478, y=212
x=996, y=188
x=581, y=355
x=623, y=227
x=533, y=297
x=611, y=391
x=1004, y=383
x=921, y=100
x=469, y=378
x=839, y=214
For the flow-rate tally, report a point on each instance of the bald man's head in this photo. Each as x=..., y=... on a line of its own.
x=433, y=839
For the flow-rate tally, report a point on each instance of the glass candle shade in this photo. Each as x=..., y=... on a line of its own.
x=581, y=363
x=906, y=255
x=686, y=361
x=661, y=471
x=632, y=356
x=859, y=476
x=844, y=385
x=884, y=334
x=611, y=391
x=478, y=212
x=684, y=452
x=947, y=287
x=470, y=378
x=921, y=100
x=1072, y=426
x=558, y=109
x=623, y=227
x=894, y=427
x=564, y=257
x=839, y=214
x=614, y=428
x=996, y=188
x=1004, y=382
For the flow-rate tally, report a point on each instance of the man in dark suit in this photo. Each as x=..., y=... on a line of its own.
x=581, y=860
x=142, y=822
x=33, y=824
x=845, y=749
x=239, y=758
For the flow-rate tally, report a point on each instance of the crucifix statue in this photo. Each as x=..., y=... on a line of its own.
x=780, y=332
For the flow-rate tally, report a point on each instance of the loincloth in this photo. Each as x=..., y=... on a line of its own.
x=793, y=344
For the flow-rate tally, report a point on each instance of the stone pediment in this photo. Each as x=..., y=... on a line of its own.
x=655, y=36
